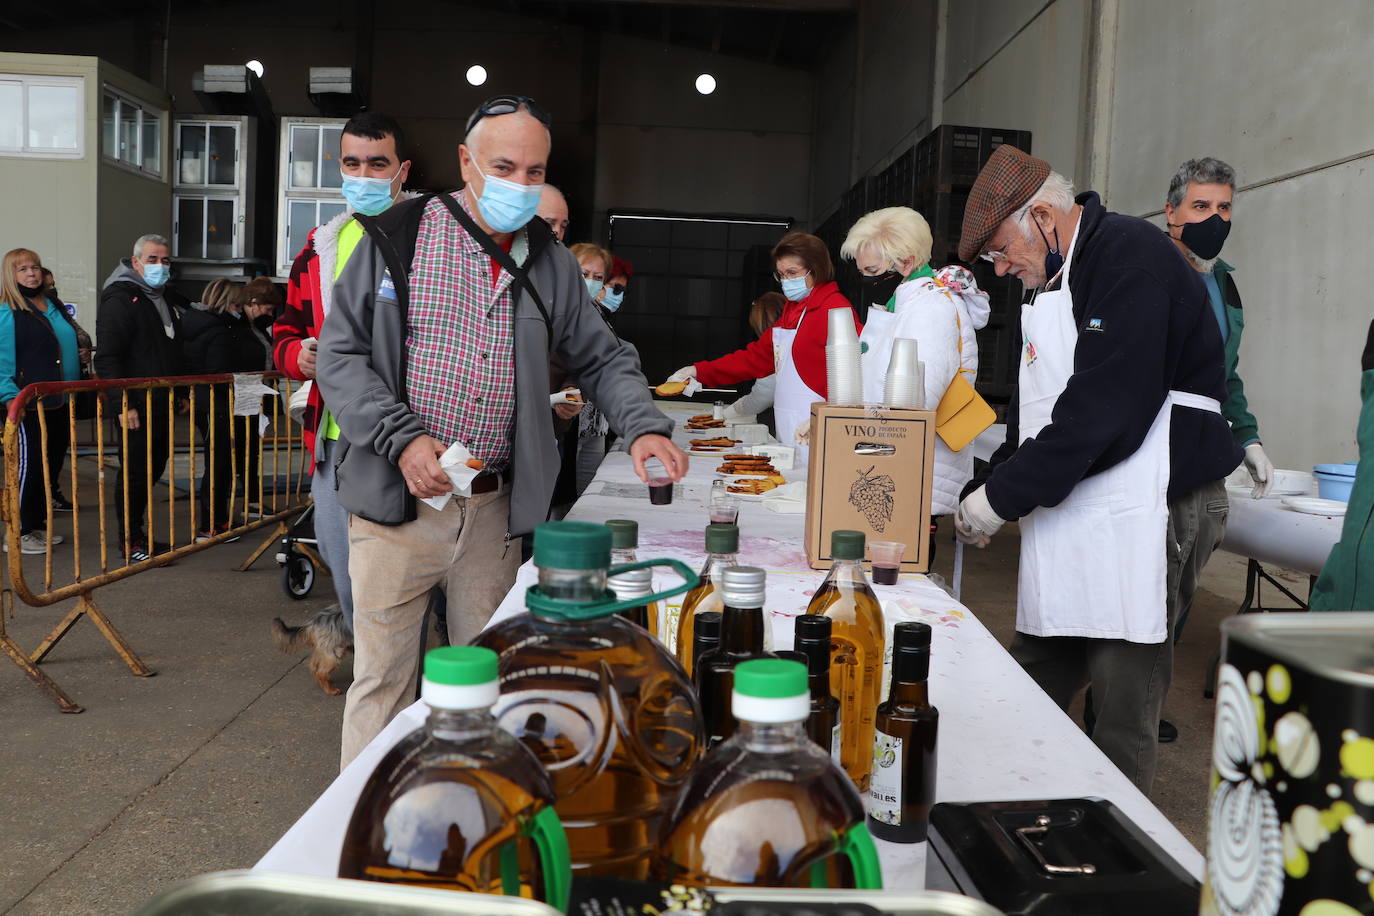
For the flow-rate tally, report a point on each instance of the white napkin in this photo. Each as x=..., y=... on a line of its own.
x=454, y=463
x=563, y=397
x=788, y=499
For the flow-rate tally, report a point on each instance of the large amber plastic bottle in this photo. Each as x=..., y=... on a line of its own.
x=857, y=648
x=606, y=709
x=722, y=551
x=458, y=803
x=768, y=808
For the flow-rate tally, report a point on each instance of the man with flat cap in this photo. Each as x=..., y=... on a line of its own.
x=1115, y=447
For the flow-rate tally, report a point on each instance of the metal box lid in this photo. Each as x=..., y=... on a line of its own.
x=1339, y=645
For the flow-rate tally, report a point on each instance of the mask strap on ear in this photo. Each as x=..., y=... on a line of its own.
x=1046, y=238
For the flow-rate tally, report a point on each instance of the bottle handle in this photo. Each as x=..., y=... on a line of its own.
x=689, y=581
x=555, y=861
x=857, y=844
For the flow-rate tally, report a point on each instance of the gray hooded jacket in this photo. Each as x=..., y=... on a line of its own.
x=363, y=370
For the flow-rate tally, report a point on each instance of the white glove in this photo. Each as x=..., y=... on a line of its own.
x=975, y=523
x=1261, y=470
x=732, y=411
x=683, y=374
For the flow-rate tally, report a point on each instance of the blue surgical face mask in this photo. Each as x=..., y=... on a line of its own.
x=795, y=288
x=613, y=300
x=156, y=275
x=368, y=195
x=507, y=205
x=594, y=287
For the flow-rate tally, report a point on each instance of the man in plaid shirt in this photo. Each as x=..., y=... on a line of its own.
x=457, y=350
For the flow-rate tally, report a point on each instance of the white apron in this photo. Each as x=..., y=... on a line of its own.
x=792, y=399
x=1094, y=565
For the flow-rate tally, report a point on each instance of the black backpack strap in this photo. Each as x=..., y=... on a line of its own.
x=500, y=256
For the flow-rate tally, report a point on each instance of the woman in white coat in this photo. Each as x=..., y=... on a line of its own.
x=941, y=310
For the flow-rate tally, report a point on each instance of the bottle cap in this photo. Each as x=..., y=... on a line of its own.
x=722, y=538
x=846, y=545
x=743, y=586
x=706, y=624
x=572, y=545
x=812, y=628
x=624, y=533
x=770, y=690
x=911, y=636
x=460, y=677
x=637, y=583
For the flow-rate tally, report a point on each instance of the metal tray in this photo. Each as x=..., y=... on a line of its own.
x=245, y=893
x=895, y=903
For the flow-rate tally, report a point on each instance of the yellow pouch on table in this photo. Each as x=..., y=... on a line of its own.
x=962, y=414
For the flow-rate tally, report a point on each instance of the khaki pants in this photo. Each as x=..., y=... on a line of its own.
x=464, y=550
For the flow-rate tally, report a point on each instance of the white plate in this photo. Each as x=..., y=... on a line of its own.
x=1314, y=506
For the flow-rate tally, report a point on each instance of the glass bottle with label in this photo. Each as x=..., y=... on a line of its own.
x=624, y=540
x=741, y=638
x=722, y=550
x=767, y=808
x=857, y=647
x=458, y=803
x=812, y=640
x=605, y=708
x=638, y=584
x=902, y=789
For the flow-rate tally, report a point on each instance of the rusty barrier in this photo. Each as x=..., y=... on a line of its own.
x=228, y=455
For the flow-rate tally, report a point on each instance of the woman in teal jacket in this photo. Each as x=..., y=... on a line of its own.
x=1347, y=579
x=37, y=344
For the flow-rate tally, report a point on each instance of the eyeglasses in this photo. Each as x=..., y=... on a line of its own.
x=591, y=275
x=789, y=276
x=508, y=104
x=992, y=257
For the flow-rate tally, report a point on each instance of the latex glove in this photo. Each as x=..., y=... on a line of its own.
x=1261, y=470
x=975, y=523
x=683, y=374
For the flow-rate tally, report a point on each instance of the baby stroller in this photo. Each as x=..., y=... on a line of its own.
x=299, y=556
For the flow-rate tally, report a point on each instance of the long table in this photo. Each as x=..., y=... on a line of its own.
x=1001, y=737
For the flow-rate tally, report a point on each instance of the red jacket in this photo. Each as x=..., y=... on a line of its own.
x=301, y=318
x=808, y=348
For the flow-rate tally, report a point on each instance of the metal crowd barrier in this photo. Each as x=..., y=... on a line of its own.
x=96, y=550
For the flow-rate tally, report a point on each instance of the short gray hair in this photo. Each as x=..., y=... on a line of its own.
x=1202, y=171
x=150, y=239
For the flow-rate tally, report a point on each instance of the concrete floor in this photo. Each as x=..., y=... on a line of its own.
x=204, y=765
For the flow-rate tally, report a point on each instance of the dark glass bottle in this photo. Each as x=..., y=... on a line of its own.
x=741, y=638
x=706, y=635
x=636, y=584
x=902, y=787
x=722, y=551
x=812, y=640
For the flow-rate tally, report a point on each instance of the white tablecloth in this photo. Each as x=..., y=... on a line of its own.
x=1001, y=737
x=1268, y=531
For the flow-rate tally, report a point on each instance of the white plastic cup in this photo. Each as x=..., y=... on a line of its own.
x=904, y=355
x=842, y=327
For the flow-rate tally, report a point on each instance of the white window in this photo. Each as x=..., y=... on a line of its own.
x=207, y=154
x=205, y=226
x=42, y=116
x=309, y=182
x=131, y=133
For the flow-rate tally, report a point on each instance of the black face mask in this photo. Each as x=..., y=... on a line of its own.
x=33, y=292
x=882, y=288
x=1054, y=260
x=1205, y=239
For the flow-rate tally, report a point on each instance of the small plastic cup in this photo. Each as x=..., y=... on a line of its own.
x=660, y=484
x=724, y=508
x=887, y=560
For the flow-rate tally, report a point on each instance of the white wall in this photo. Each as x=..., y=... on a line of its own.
x=1273, y=93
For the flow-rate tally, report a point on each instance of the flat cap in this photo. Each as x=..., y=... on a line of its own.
x=1002, y=187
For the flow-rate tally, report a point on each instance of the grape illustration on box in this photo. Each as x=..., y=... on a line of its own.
x=872, y=494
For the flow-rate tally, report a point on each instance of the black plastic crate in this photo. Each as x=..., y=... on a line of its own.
x=895, y=186
x=952, y=155
x=856, y=202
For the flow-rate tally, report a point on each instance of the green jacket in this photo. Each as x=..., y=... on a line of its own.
x=1347, y=579
x=1236, y=409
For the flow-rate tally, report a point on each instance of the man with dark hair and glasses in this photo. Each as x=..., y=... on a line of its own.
x=444, y=321
x=373, y=167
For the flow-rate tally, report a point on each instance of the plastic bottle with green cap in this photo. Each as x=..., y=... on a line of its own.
x=741, y=638
x=722, y=551
x=857, y=650
x=458, y=803
x=602, y=703
x=767, y=807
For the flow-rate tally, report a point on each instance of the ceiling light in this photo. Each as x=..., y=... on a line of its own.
x=256, y=66
x=477, y=74
x=706, y=84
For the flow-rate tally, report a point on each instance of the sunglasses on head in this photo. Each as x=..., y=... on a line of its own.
x=508, y=104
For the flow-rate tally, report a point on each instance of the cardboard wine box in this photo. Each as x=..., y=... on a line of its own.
x=870, y=470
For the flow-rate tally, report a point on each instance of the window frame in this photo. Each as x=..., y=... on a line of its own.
x=204, y=124
x=24, y=150
x=287, y=193
x=205, y=197
x=143, y=108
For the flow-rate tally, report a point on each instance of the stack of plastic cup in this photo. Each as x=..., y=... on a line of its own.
x=842, y=373
x=905, y=382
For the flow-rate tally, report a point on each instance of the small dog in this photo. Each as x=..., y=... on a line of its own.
x=327, y=637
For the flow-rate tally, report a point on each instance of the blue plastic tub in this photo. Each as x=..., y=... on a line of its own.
x=1335, y=481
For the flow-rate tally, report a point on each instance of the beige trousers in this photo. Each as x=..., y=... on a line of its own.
x=463, y=549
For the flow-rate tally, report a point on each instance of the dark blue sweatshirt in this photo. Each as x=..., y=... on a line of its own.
x=1152, y=331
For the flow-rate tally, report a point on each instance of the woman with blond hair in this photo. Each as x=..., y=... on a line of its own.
x=37, y=344
x=941, y=310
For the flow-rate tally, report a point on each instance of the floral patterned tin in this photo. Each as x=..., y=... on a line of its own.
x=1291, y=821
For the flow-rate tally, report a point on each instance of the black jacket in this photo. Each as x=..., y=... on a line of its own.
x=1153, y=331
x=130, y=340
x=218, y=342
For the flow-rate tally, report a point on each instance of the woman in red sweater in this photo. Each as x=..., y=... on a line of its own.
x=794, y=347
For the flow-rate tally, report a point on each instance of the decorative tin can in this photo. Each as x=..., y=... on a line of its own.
x=1291, y=820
